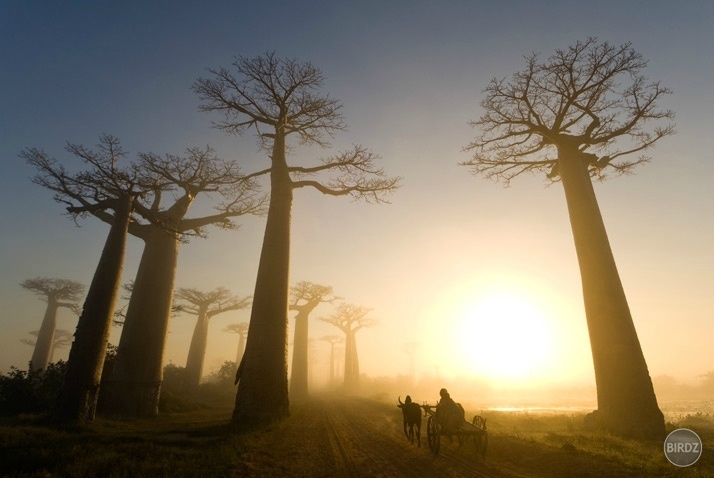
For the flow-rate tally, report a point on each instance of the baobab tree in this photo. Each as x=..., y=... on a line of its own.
x=58, y=293
x=205, y=306
x=279, y=99
x=575, y=116
x=350, y=318
x=410, y=348
x=135, y=384
x=332, y=340
x=304, y=298
x=105, y=186
x=241, y=329
x=61, y=340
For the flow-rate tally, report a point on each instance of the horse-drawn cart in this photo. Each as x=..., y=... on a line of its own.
x=441, y=424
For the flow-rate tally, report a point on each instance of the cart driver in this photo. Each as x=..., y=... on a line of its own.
x=449, y=414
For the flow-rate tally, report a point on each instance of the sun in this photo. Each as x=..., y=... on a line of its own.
x=503, y=335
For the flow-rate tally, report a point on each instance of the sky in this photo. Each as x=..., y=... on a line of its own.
x=472, y=271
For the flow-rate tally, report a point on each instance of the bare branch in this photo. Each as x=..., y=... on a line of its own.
x=350, y=317
x=55, y=289
x=279, y=93
x=215, y=302
x=590, y=95
x=357, y=176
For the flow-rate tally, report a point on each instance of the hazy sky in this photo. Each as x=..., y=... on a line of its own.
x=453, y=252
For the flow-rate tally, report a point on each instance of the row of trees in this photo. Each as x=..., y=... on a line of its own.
x=280, y=95
x=573, y=116
x=204, y=305
x=305, y=297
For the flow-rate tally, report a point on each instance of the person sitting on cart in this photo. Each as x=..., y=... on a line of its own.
x=449, y=414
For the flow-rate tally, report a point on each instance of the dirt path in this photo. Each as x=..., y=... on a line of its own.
x=355, y=438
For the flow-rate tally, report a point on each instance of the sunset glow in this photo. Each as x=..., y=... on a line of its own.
x=502, y=328
x=503, y=336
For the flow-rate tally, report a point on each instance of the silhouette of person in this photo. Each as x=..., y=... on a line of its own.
x=446, y=399
x=448, y=414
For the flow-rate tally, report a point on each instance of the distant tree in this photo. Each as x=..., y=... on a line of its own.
x=242, y=330
x=410, y=348
x=311, y=359
x=204, y=305
x=279, y=99
x=350, y=319
x=62, y=340
x=58, y=293
x=105, y=185
x=332, y=340
x=304, y=298
x=136, y=381
x=575, y=116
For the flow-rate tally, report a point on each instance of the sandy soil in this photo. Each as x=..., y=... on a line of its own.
x=353, y=437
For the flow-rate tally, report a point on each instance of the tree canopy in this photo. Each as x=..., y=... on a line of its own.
x=591, y=96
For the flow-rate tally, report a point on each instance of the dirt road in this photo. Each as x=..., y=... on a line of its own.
x=354, y=438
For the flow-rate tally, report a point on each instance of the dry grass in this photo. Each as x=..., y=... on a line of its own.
x=196, y=444
x=556, y=445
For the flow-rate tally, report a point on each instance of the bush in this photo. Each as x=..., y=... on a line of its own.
x=31, y=391
x=217, y=389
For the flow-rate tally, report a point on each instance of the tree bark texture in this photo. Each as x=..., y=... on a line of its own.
x=241, y=350
x=80, y=389
x=626, y=400
x=138, y=371
x=197, y=350
x=45, y=338
x=298, y=374
x=262, y=396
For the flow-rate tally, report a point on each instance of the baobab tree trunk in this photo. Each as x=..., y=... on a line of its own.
x=138, y=370
x=626, y=400
x=262, y=396
x=351, y=363
x=241, y=350
x=355, y=361
x=197, y=350
x=332, y=363
x=299, y=375
x=80, y=389
x=46, y=336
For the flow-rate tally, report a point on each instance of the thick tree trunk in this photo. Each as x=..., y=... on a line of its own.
x=197, y=350
x=46, y=336
x=138, y=370
x=351, y=363
x=626, y=401
x=332, y=363
x=299, y=375
x=262, y=396
x=355, y=361
x=241, y=350
x=80, y=389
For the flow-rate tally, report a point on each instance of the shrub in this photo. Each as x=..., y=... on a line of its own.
x=31, y=391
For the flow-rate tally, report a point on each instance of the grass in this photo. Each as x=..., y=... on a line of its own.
x=188, y=444
x=557, y=445
x=196, y=444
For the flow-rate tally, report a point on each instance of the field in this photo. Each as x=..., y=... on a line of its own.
x=334, y=436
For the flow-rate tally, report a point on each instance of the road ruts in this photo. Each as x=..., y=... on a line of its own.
x=367, y=439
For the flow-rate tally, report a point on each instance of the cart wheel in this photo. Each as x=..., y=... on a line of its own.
x=433, y=434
